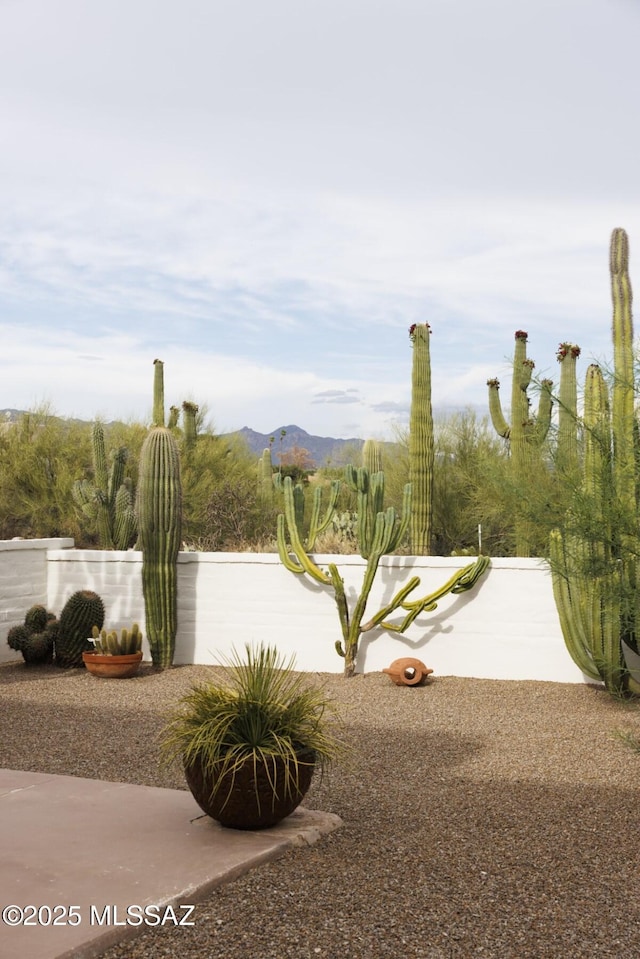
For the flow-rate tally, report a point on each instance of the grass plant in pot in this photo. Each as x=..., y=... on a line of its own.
x=249, y=743
x=114, y=656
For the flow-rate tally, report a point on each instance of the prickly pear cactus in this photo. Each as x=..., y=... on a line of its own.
x=82, y=611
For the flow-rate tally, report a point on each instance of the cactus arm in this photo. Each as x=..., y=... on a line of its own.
x=189, y=414
x=372, y=456
x=318, y=525
x=343, y=608
x=394, y=604
x=623, y=399
x=500, y=424
x=158, y=393
x=462, y=580
x=305, y=563
x=545, y=405
x=567, y=447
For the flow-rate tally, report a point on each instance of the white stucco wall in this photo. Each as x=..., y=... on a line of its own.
x=23, y=582
x=505, y=628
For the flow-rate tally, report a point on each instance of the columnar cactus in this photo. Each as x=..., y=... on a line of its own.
x=525, y=434
x=82, y=611
x=372, y=456
x=265, y=479
x=567, y=447
x=159, y=523
x=380, y=531
x=108, y=500
x=595, y=559
x=190, y=425
x=421, y=447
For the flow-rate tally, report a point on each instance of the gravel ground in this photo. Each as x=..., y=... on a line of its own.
x=481, y=817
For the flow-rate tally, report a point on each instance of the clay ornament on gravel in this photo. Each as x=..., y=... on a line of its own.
x=408, y=672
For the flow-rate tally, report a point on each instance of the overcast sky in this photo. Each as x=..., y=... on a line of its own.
x=266, y=194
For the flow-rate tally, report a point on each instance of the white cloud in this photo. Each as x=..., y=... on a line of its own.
x=268, y=195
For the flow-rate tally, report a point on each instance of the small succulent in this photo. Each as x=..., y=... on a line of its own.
x=111, y=644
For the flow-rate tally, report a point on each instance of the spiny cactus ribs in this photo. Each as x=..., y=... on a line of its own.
x=35, y=638
x=82, y=611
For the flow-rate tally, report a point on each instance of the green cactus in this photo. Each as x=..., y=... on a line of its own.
x=110, y=644
x=265, y=479
x=421, y=448
x=567, y=447
x=82, y=611
x=594, y=559
x=35, y=638
x=380, y=531
x=372, y=456
x=108, y=501
x=158, y=395
x=159, y=522
x=190, y=425
x=525, y=434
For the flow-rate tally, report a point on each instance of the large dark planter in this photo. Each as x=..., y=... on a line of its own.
x=247, y=799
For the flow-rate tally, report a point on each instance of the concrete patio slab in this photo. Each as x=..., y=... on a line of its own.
x=85, y=863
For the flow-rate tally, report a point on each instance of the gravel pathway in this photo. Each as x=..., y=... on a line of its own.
x=481, y=818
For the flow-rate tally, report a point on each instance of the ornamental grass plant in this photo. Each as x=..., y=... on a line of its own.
x=263, y=711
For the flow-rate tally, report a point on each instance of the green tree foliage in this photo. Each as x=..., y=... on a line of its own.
x=41, y=456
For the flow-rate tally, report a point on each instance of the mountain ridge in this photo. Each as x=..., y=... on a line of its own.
x=321, y=449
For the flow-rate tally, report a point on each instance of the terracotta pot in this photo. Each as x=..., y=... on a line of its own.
x=112, y=667
x=254, y=796
x=408, y=672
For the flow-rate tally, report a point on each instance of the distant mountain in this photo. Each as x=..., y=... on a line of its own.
x=322, y=449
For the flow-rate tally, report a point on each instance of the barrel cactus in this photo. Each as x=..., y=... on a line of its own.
x=82, y=611
x=35, y=637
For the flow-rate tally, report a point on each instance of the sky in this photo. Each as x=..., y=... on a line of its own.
x=266, y=194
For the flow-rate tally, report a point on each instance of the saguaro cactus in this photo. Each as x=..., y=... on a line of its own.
x=567, y=447
x=525, y=433
x=266, y=489
x=108, y=500
x=421, y=448
x=159, y=524
x=159, y=509
x=595, y=559
x=372, y=456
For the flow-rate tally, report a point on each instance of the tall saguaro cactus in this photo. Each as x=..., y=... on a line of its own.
x=595, y=559
x=159, y=503
x=421, y=447
x=525, y=434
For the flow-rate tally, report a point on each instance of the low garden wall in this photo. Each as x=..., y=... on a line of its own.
x=506, y=627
